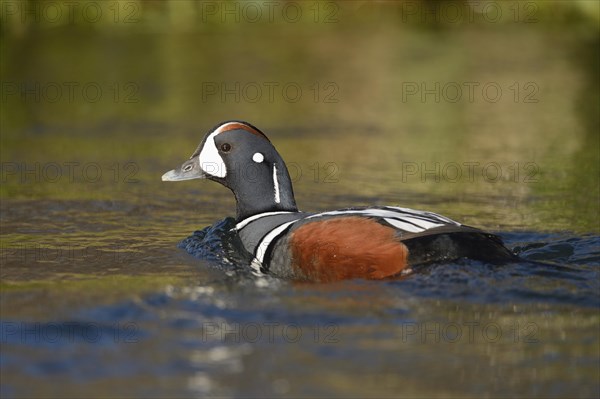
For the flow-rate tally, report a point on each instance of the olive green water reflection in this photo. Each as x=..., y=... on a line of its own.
x=493, y=124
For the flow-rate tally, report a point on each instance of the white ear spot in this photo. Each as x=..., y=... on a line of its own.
x=258, y=157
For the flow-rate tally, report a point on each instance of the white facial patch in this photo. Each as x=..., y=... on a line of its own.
x=258, y=157
x=210, y=160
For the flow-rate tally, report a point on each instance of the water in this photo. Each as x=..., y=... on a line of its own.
x=96, y=298
x=475, y=329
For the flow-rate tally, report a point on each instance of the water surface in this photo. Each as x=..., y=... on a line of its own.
x=97, y=300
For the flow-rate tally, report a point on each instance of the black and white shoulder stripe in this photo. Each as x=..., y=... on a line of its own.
x=404, y=219
x=259, y=232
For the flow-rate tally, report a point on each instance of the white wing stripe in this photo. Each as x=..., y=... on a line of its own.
x=421, y=223
x=369, y=212
x=423, y=219
x=424, y=213
x=404, y=226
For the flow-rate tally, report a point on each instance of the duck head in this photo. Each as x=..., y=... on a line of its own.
x=240, y=157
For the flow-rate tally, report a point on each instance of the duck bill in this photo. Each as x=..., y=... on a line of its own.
x=189, y=170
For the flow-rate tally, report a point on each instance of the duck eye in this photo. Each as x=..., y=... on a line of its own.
x=225, y=147
x=187, y=168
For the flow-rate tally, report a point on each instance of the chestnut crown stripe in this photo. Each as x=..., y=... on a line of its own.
x=232, y=125
x=237, y=125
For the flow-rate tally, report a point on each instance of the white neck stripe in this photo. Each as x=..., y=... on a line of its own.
x=276, y=184
x=262, y=247
x=252, y=218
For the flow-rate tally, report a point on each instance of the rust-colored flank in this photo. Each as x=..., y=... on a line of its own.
x=345, y=248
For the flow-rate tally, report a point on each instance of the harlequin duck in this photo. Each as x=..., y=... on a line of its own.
x=366, y=242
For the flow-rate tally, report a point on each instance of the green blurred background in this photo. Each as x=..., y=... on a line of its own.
x=368, y=95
